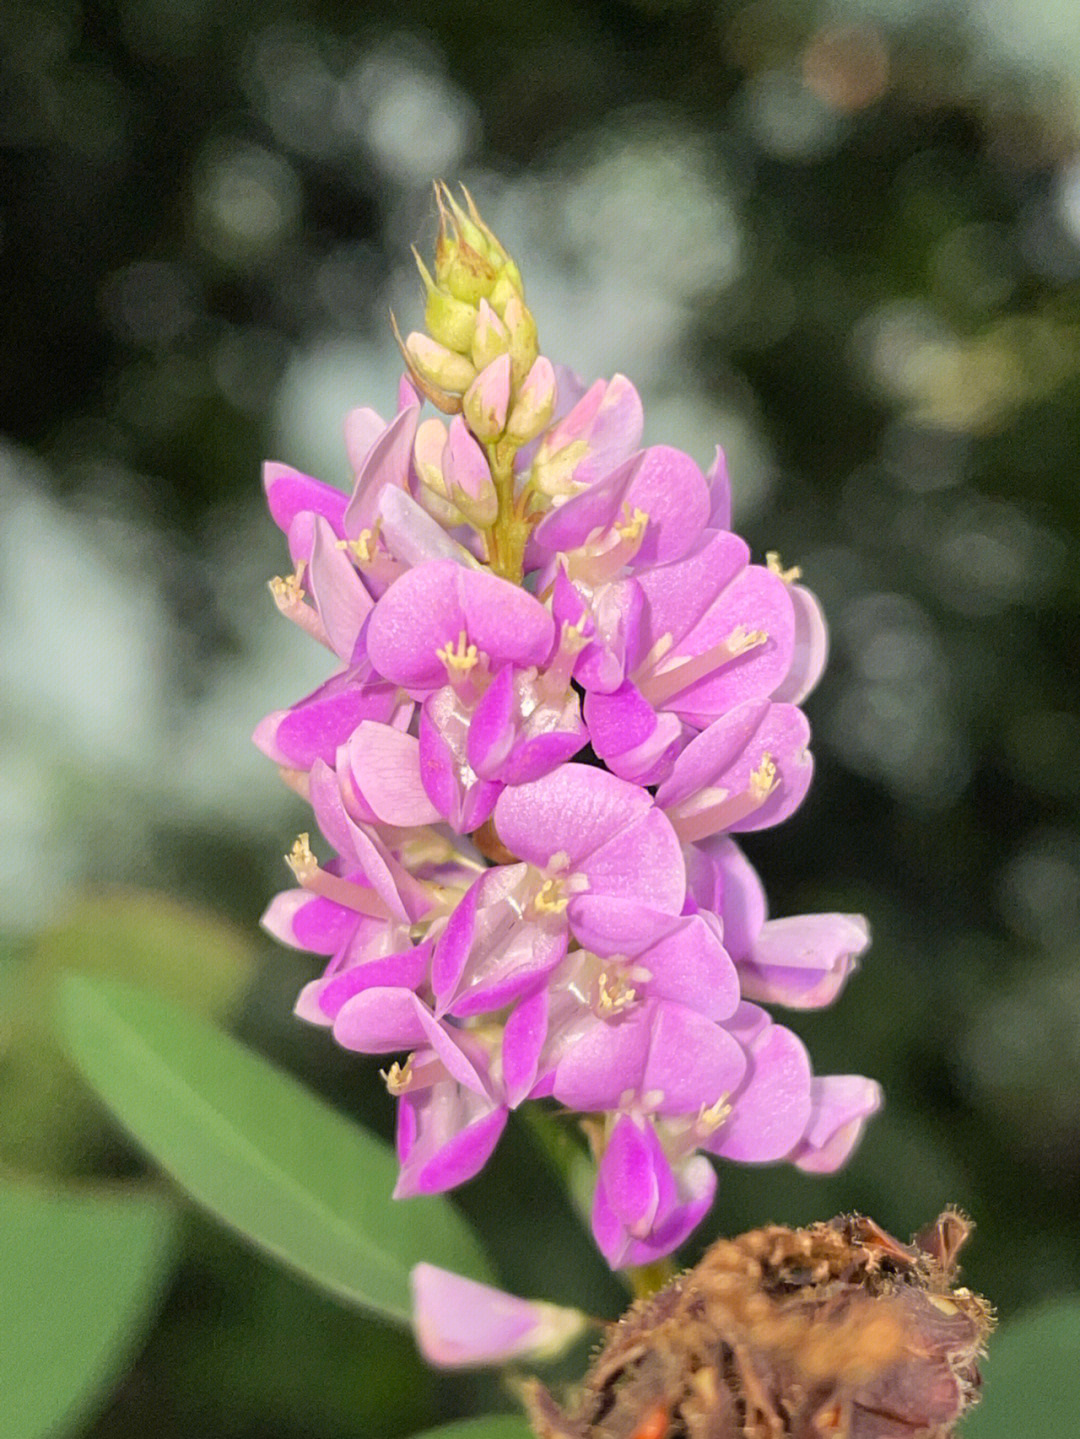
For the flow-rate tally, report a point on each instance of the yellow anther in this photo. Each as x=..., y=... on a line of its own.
x=613, y=994
x=573, y=638
x=772, y=559
x=462, y=657
x=711, y=1116
x=399, y=1076
x=630, y=526
x=288, y=591
x=763, y=779
x=300, y=858
x=740, y=640
x=550, y=899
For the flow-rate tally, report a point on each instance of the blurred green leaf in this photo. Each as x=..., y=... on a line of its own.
x=183, y=952
x=258, y=1150
x=489, y=1426
x=47, y=1125
x=82, y=1275
x=1032, y=1377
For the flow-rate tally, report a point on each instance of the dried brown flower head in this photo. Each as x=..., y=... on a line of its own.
x=837, y=1331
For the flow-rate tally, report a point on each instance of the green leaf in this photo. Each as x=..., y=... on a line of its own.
x=82, y=1276
x=489, y=1426
x=260, y=1152
x=179, y=950
x=1031, y=1377
x=48, y=1126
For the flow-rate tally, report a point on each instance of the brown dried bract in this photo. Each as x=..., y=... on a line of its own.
x=838, y=1331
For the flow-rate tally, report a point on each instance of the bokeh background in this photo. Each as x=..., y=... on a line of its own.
x=841, y=239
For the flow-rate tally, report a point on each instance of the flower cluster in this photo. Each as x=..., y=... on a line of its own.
x=562, y=687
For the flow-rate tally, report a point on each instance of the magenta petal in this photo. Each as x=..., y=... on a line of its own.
x=405, y=970
x=362, y=428
x=524, y=1036
x=461, y=1324
x=488, y=956
x=428, y=608
x=611, y=925
x=696, y=1186
x=740, y=900
x=618, y=721
x=315, y=726
x=771, y=1110
x=491, y=730
x=691, y=1062
x=445, y=1136
x=386, y=463
x=811, y=648
x=340, y=596
x=606, y=1064
x=691, y=966
x=756, y=599
x=646, y=851
x=679, y=594
x=840, y=1107
x=384, y=766
x=723, y=758
x=290, y=493
x=635, y=1175
x=574, y=811
x=380, y=1021
x=455, y=791
x=307, y=921
x=802, y=962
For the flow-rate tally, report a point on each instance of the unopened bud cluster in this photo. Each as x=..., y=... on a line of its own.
x=562, y=688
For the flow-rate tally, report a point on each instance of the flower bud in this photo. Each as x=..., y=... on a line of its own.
x=467, y=477
x=487, y=400
x=490, y=338
x=521, y=328
x=439, y=366
x=535, y=404
x=427, y=455
x=450, y=321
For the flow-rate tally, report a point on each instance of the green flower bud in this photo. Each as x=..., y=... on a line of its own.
x=521, y=328
x=449, y=321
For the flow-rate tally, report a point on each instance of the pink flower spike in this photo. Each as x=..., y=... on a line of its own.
x=462, y=1324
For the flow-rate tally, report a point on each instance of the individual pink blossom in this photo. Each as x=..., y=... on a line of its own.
x=460, y=1323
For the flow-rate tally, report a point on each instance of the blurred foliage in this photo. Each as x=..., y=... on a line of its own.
x=82, y=1277
x=843, y=240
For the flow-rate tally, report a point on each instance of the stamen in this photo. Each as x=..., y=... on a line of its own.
x=289, y=597
x=710, y=1117
x=613, y=995
x=658, y=687
x=772, y=559
x=319, y=881
x=710, y=811
x=550, y=898
x=604, y=554
x=462, y=657
x=414, y=1074
x=555, y=681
